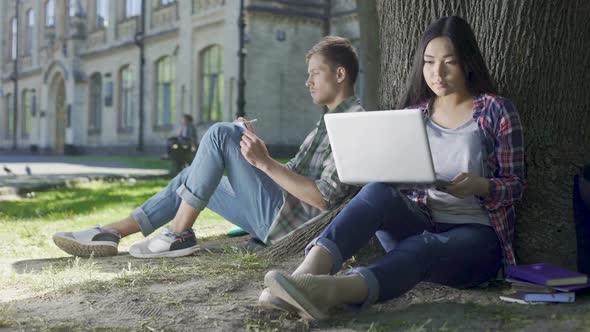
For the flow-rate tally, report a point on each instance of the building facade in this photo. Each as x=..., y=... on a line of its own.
x=76, y=68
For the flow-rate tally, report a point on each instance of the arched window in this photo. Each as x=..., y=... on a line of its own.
x=27, y=102
x=165, y=77
x=126, y=100
x=211, y=82
x=9, y=117
x=49, y=13
x=102, y=14
x=30, y=29
x=13, y=36
x=95, y=104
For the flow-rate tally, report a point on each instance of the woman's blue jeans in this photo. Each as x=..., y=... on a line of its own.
x=417, y=249
x=247, y=197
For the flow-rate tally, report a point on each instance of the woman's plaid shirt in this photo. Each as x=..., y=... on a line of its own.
x=499, y=123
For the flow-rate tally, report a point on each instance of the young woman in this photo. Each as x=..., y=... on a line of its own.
x=458, y=235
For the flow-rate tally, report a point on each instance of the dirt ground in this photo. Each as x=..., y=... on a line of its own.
x=213, y=291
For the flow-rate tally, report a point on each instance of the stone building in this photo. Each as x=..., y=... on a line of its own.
x=78, y=69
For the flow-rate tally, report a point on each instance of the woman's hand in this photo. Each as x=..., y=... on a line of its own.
x=254, y=150
x=465, y=184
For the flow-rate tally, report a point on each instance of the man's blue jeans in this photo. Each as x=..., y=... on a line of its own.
x=417, y=249
x=247, y=197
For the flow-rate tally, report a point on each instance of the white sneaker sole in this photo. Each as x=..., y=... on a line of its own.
x=173, y=253
x=85, y=248
x=282, y=288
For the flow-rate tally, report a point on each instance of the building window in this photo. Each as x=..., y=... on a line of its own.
x=49, y=13
x=30, y=29
x=211, y=80
x=27, y=113
x=165, y=71
x=132, y=8
x=9, y=117
x=102, y=14
x=166, y=2
x=72, y=8
x=126, y=100
x=13, y=36
x=95, y=104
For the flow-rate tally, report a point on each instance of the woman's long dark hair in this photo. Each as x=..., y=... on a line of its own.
x=476, y=73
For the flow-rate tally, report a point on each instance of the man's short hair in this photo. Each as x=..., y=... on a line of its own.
x=339, y=52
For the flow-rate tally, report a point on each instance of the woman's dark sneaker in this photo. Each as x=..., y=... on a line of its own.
x=166, y=244
x=96, y=241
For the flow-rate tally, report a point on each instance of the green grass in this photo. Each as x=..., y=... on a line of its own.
x=5, y=313
x=26, y=225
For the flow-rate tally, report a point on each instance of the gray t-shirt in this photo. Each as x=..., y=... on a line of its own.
x=454, y=151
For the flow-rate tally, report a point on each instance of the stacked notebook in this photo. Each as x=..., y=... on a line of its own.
x=543, y=283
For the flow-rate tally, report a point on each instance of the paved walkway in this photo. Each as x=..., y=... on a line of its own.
x=22, y=174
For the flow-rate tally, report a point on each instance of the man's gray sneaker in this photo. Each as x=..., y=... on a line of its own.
x=166, y=244
x=96, y=241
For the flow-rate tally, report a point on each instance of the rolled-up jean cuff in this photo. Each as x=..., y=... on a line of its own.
x=372, y=286
x=331, y=247
x=190, y=199
x=143, y=221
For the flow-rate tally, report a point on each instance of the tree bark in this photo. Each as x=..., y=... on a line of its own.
x=537, y=53
x=370, y=53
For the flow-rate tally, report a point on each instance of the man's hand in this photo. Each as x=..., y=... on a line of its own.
x=254, y=150
x=246, y=122
x=465, y=184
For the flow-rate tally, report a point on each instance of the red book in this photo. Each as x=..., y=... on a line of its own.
x=546, y=274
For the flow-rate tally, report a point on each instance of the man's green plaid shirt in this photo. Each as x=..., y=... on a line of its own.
x=315, y=161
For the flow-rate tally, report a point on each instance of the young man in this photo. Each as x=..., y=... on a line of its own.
x=262, y=196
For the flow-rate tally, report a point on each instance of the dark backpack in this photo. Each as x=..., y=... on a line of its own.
x=582, y=217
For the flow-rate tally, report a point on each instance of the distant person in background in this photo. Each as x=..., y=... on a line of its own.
x=582, y=217
x=181, y=149
x=188, y=129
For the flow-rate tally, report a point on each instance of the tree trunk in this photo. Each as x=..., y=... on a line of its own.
x=370, y=53
x=537, y=53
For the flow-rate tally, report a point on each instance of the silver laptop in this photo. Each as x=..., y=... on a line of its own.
x=382, y=146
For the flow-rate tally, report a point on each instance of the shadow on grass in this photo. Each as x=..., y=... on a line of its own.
x=213, y=245
x=222, y=280
x=79, y=201
x=453, y=316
